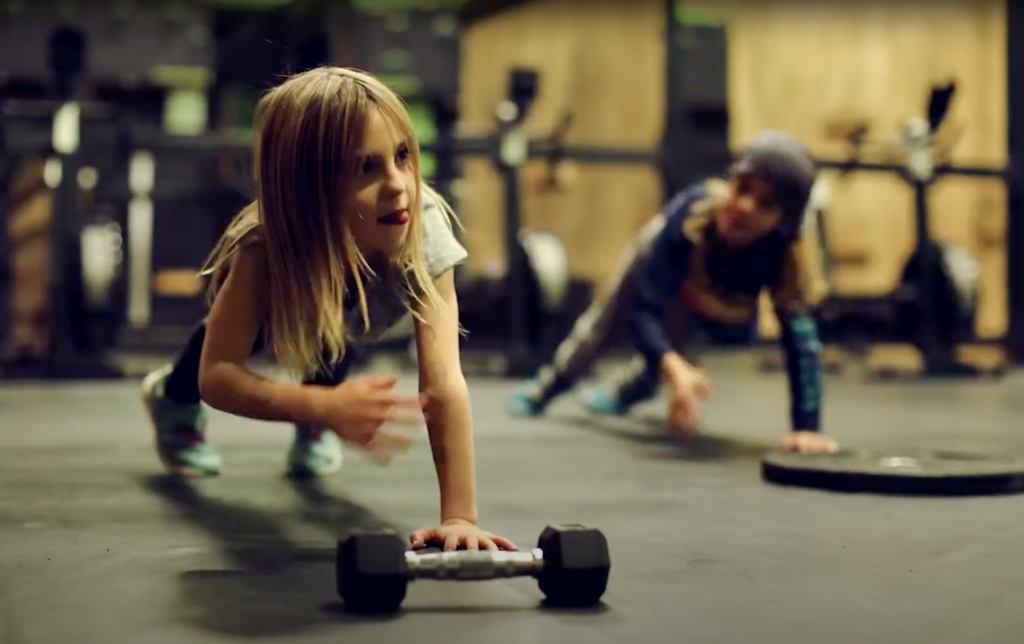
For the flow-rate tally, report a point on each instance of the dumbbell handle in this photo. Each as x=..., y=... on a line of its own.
x=469, y=565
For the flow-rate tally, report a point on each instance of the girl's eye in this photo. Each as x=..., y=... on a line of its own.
x=371, y=165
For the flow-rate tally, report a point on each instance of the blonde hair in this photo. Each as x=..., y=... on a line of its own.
x=307, y=130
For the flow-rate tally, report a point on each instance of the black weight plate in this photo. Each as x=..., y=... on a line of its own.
x=911, y=472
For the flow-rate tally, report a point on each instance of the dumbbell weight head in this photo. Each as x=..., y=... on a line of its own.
x=577, y=565
x=371, y=571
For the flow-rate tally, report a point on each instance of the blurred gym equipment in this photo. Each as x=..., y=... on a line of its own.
x=86, y=113
x=935, y=303
x=67, y=353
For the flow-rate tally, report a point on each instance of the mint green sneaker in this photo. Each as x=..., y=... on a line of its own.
x=602, y=404
x=314, y=452
x=525, y=403
x=180, y=430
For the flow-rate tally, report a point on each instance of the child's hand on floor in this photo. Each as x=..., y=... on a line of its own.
x=809, y=443
x=687, y=392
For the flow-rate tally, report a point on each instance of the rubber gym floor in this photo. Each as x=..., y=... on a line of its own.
x=98, y=547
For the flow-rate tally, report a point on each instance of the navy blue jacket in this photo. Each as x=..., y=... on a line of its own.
x=723, y=285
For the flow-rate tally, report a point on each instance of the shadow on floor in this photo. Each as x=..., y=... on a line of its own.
x=651, y=432
x=277, y=586
x=330, y=511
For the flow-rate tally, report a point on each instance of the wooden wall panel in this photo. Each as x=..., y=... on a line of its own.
x=605, y=62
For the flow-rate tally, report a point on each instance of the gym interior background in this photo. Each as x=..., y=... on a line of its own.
x=124, y=150
x=611, y=136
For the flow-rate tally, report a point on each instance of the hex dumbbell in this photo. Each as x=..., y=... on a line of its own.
x=374, y=567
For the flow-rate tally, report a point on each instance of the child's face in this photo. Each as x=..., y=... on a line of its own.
x=382, y=190
x=750, y=211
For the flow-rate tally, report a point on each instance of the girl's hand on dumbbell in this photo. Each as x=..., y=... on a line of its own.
x=456, y=534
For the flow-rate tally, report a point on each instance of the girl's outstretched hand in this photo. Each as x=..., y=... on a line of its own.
x=359, y=408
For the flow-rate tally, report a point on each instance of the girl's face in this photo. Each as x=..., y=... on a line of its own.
x=383, y=189
x=750, y=211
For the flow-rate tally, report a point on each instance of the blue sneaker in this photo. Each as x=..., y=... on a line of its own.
x=600, y=403
x=524, y=404
x=314, y=452
x=180, y=430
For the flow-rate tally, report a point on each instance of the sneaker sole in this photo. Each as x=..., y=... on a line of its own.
x=174, y=469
